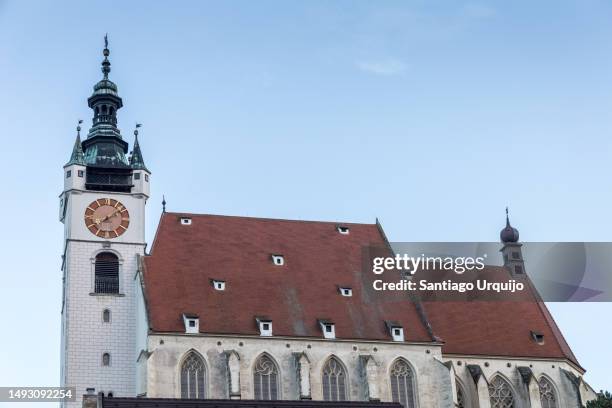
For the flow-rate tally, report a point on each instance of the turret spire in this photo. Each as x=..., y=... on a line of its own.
x=511, y=251
x=77, y=156
x=136, y=160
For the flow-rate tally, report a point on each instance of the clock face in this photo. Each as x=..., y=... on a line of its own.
x=107, y=218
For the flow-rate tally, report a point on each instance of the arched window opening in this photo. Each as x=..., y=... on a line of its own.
x=334, y=381
x=106, y=316
x=460, y=395
x=107, y=273
x=548, y=397
x=193, y=377
x=104, y=109
x=111, y=110
x=265, y=379
x=500, y=393
x=402, y=384
x=106, y=359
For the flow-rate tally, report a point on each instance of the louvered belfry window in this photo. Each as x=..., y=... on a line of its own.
x=265, y=379
x=402, y=384
x=334, y=381
x=193, y=377
x=548, y=397
x=500, y=393
x=107, y=273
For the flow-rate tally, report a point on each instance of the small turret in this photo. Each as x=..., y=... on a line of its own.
x=511, y=251
x=74, y=170
x=141, y=175
x=77, y=156
x=136, y=160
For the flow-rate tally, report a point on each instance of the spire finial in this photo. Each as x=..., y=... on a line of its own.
x=136, y=129
x=507, y=218
x=163, y=203
x=106, y=63
x=79, y=128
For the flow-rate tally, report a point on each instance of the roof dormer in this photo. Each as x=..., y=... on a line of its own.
x=345, y=291
x=265, y=326
x=218, y=284
x=395, y=330
x=278, y=259
x=191, y=322
x=538, y=337
x=343, y=229
x=328, y=328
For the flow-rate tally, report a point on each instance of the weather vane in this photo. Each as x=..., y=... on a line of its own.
x=136, y=130
x=79, y=127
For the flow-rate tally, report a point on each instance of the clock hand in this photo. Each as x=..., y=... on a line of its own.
x=109, y=215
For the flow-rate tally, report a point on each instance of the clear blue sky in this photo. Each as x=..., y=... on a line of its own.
x=431, y=115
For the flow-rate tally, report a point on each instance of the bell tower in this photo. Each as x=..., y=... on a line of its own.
x=102, y=207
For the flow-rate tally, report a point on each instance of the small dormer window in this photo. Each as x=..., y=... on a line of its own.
x=192, y=323
x=265, y=326
x=218, y=284
x=278, y=260
x=538, y=337
x=344, y=291
x=342, y=229
x=328, y=329
x=396, y=331
x=185, y=221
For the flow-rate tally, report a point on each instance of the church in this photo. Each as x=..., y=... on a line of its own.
x=238, y=311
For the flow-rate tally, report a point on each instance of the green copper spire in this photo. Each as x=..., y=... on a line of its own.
x=104, y=147
x=136, y=159
x=77, y=156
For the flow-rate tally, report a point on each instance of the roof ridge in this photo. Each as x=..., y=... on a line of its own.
x=265, y=218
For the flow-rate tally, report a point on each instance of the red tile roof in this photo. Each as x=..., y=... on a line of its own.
x=498, y=327
x=318, y=259
x=294, y=296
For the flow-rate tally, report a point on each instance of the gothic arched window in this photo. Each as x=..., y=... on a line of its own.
x=460, y=395
x=106, y=316
x=193, y=377
x=402, y=383
x=548, y=397
x=105, y=359
x=106, y=273
x=265, y=378
x=500, y=393
x=334, y=381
